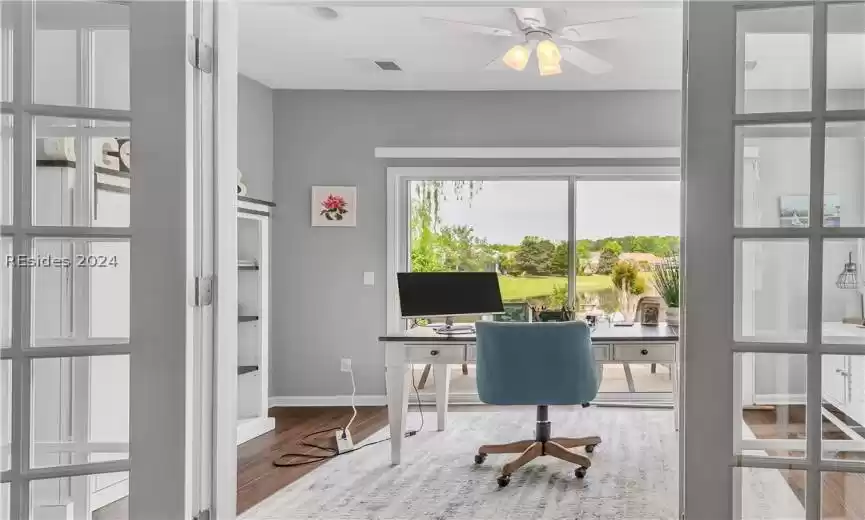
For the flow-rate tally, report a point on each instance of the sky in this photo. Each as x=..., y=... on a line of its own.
x=504, y=212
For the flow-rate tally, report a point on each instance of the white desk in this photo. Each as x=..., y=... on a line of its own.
x=423, y=346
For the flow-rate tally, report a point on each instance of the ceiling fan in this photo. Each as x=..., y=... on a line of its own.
x=539, y=29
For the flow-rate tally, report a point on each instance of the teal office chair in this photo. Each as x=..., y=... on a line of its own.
x=537, y=364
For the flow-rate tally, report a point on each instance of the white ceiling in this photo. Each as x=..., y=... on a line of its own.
x=290, y=47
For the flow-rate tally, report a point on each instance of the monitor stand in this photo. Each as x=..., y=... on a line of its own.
x=450, y=328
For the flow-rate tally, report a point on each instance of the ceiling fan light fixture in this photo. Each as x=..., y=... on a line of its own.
x=549, y=70
x=548, y=52
x=517, y=57
x=549, y=58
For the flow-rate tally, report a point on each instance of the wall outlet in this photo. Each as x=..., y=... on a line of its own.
x=343, y=441
x=345, y=365
x=369, y=278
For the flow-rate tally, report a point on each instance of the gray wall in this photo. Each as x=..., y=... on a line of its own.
x=255, y=137
x=321, y=309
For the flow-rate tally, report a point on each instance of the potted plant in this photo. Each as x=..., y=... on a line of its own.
x=666, y=281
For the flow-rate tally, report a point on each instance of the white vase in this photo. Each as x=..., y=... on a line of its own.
x=673, y=316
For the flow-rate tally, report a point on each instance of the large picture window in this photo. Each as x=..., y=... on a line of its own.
x=561, y=245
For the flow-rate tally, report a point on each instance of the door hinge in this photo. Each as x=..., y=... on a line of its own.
x=203, y=291
x=200, y=54
x=203, y=515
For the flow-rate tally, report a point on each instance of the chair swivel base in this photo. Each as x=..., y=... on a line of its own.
x=529, y=450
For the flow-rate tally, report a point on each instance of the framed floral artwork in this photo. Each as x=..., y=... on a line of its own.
x=334, y=206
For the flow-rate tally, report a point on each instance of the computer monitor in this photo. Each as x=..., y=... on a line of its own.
x=423, y=295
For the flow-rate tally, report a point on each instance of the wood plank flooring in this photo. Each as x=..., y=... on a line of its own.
x=258, y=478
x=842, y=492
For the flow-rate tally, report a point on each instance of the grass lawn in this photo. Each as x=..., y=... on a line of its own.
x=520, y=288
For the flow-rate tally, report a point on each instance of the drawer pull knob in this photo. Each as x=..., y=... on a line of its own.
x=644, y=352
x=433, y=352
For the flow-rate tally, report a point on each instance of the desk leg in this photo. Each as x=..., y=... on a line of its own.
x=397, y=383
x=443, y=385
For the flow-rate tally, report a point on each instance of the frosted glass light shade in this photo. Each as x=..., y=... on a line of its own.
x=517, y=57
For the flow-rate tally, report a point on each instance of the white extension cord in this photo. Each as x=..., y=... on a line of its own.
x=343, y=437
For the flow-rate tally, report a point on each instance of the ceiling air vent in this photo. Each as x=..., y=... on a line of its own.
x=388, y=65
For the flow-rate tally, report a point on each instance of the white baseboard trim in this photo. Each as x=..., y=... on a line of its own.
x=326, y=400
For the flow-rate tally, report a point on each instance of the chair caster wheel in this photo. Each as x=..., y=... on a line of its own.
x=480, y=458
x=580, y=472
x=586, y=405
x=503, y=480
x=590, y=448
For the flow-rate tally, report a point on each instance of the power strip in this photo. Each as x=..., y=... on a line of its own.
x=343, y=441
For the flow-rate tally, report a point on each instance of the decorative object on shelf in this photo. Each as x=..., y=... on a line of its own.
x=666, y=281
x=795, y=210
x=849, y=280
x=241, y=186
x=334, y=206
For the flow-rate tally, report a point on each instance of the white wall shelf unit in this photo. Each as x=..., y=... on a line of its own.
x=253, y=315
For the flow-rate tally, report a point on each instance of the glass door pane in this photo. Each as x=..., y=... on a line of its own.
x=517, y=228
x=624, y=230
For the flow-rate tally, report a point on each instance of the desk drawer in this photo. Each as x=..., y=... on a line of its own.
x=664, y=352
x=427, y=354
x=602, y=352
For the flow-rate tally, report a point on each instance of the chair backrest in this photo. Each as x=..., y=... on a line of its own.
x=535, y=363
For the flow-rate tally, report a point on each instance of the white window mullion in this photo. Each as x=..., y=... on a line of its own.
x=814, y=385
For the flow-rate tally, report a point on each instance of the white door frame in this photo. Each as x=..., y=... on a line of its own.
x=224, y=466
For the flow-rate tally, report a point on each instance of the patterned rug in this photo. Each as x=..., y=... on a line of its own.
x=633, y=475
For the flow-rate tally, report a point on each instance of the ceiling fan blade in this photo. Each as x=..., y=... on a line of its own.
x=496, y=65
x=471, y=27
x=582, y=59
x=598, y=30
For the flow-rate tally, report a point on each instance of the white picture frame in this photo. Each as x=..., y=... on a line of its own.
x=334, y=206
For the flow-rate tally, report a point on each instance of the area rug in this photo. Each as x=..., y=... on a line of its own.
x=633, y=475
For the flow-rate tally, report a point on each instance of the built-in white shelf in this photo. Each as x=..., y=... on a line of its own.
x=253, y=298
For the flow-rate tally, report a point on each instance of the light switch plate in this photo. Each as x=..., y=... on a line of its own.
x=369, y=278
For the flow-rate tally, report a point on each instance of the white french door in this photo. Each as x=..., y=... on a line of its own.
x=97, y=315
x=774, y=224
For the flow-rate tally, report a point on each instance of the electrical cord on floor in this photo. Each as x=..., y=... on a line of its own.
x=333, y=452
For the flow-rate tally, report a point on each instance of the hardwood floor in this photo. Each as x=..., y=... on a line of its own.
x=842, y=492
x=258, y=478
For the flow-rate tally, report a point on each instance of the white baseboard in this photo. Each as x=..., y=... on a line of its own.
x=248, y=429
x=329, y=400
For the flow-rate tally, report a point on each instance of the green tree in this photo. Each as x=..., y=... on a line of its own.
x=535, y=255
x=424, y=221
x=508, y=264
x=626, y=277
x=613, y=246
x=559, y=263
x=461, y=250
x=583, y=256
x=609, y=256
